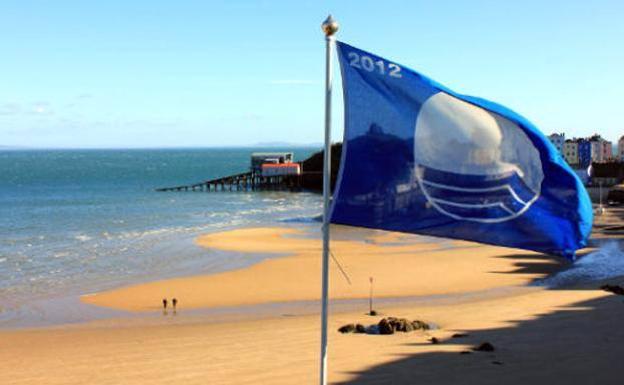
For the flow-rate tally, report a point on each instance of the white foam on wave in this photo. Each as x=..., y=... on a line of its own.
x=314, y=219
x=607, y=262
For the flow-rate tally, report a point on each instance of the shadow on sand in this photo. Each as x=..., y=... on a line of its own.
x=582, y=343
x=537, y=264
x=578, y=344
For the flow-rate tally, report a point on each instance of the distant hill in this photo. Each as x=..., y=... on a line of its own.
x=286, y=144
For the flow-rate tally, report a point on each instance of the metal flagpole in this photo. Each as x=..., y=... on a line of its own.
x=330, y=27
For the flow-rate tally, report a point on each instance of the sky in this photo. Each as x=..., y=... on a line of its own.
x=126, y=74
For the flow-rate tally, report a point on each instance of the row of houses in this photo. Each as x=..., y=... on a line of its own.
x=581, y=152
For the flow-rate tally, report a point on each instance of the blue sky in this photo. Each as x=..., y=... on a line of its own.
x=203, y=73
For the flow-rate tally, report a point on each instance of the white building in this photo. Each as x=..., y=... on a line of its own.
x=558, y=140
x=280, y=169
x=601, y=149
x=260, y=158
x=620, y=149
x=570, y=152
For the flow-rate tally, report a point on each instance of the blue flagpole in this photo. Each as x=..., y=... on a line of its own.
x=330, y=27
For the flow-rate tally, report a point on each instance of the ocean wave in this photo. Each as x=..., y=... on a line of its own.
x=144, y=233
x=314, y=219
x=82, y=238
x=174, y=230
x=607, y=262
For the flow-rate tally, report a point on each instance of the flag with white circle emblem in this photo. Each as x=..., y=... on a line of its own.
x=420, y=158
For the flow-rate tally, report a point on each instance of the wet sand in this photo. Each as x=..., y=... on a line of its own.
x=400, y=266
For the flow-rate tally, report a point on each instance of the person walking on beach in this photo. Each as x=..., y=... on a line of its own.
x=165, y=304
x=174, y=302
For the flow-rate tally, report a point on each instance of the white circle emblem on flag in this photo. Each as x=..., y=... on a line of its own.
x=472, y=164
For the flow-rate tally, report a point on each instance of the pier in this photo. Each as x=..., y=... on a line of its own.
x=247, y=181
x=309, y=178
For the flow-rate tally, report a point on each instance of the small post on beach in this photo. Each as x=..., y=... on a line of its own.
x=601, y=209
x=370, y=298
x=329, y=27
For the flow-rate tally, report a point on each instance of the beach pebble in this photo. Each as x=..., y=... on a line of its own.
x=399, y=325
x=418, y=325
x=385, y=327
x=484, y=347
x=348, y=328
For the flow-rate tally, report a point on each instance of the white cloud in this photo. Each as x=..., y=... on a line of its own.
x=10, y=109
x=41, y=109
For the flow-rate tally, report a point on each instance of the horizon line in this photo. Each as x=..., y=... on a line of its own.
x=181, y=147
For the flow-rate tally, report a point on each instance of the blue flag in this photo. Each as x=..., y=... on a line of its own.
x=420, y=158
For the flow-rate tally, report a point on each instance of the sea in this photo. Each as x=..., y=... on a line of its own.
x=74, y=222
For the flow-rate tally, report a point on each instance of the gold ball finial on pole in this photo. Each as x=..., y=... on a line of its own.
x=330, y=26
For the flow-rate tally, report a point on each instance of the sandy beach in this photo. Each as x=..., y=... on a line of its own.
x=540, y=335
x=400, y=266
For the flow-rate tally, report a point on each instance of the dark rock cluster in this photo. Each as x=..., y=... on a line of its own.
x=352, y=328
x=389, y=325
